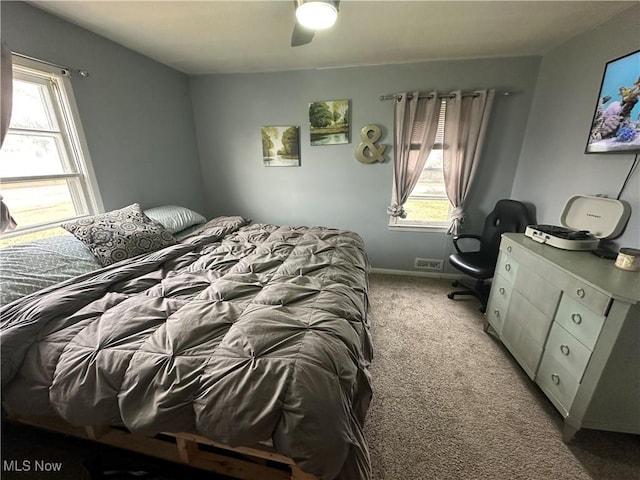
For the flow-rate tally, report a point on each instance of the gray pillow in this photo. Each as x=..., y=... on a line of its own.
x=120, y=234
x=175, y=218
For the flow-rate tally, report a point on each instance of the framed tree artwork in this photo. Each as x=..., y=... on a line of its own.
x=329, y=122
x=281, y=146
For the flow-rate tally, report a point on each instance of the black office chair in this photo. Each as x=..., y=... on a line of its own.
x=506, y=216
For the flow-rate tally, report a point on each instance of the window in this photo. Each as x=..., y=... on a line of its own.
x=45, y=170
x=428, y=205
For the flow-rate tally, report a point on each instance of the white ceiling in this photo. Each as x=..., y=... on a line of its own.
x=199, y=37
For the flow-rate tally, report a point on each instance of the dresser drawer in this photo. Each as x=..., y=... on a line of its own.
x=591, y=298
x=498, y=302
x=567, y=351
x=507, y=267
x=558, y=383
x=579, y=321
x=501, y=289
x=507, y=245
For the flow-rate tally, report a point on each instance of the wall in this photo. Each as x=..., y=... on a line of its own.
x=139, y=126
x=136, y=113
x=331, y=187
x=552, y=165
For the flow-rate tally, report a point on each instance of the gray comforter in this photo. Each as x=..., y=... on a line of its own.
x=243, y=333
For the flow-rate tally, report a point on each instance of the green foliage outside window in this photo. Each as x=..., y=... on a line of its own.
x=436, y=211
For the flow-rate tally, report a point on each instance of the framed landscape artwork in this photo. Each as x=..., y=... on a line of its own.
x=329, y=122
x=616, y=122
x=281, y=146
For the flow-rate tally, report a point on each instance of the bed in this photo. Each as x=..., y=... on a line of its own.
x=238, y=335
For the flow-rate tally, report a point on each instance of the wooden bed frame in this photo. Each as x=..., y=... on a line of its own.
x=245, y=463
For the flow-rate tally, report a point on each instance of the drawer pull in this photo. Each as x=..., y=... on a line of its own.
x=502, y=290
x=507, y=267
x=564, y=349
x=496, y=312
x=580, y=293
x=555, y=378
x=509, y=249
x=577, y=318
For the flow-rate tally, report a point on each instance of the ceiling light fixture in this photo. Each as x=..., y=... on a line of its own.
x=316, y=14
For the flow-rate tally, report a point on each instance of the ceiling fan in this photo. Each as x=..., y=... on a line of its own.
x=312, y=15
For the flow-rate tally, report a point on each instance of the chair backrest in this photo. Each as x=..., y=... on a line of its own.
x=506, y=216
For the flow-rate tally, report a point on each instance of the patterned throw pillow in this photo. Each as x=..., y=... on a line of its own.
x=120, y=234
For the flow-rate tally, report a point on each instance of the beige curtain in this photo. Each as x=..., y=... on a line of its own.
x=465, y=128
x=6, y=100
x=6, y=90
x=415, y=125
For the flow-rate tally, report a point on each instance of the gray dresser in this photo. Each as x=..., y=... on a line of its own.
x=572, y=321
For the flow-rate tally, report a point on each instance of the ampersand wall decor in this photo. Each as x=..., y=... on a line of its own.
x=367, y=151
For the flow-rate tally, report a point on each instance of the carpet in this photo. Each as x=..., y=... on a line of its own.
x=451, y=403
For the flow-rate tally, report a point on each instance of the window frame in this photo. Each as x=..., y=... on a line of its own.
x=401, y=224
x=63, y=113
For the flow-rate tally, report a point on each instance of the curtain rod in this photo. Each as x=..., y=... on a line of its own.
x=396, y=96
x=82, y=73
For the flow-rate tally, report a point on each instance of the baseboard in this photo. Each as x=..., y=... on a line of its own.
x=413, y=273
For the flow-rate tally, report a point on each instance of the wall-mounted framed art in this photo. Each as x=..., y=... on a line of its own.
x=616, y=121
x=281, y=146
x=329, y=122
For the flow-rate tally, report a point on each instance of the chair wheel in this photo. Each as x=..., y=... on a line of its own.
x=455, y=283
x=450, y=295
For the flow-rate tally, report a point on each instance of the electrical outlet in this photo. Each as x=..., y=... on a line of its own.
x=428, y=264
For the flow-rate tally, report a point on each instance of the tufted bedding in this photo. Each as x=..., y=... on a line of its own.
x=243, y=333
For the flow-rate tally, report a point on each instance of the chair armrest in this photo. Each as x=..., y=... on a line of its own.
x=463, y=236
